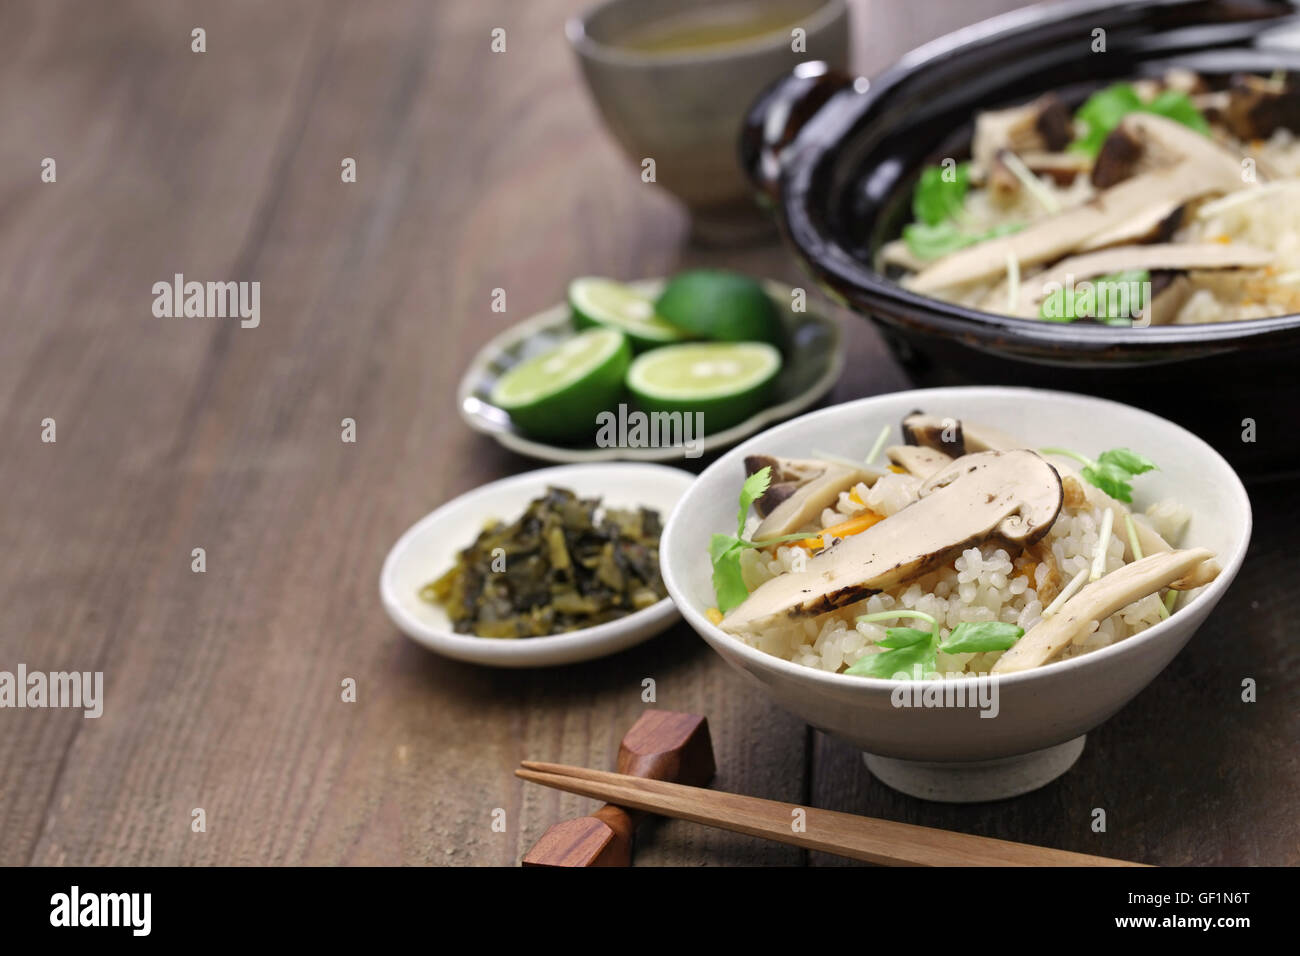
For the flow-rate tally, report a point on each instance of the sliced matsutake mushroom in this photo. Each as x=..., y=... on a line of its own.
x=1169, y=293
x=1096, y=602
x=1012, y=497
x=1186, y=165
x=1152, y=224
x=1044, y=124
x=1256, y=106
x=987, y=438
x=932, y=431
x=955, y=437
x=1175, y=256
x=1057, y=235
x=1001, y=180
x=1166, y=142
x=1211, y=104
x=917, y=460
x=800, y=490
x=1118, y=159
x=898, y=254
x=1005, y=185
x=1144, y=141
x=1169, y=290
x=1051, y=583
x=978, y=437
x=1198, y=577
x=1061, y=168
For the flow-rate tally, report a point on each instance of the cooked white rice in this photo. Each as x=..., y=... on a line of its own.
x=1270, y=220
x=981, y=585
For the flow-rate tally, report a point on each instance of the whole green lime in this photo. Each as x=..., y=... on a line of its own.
x=720, y=306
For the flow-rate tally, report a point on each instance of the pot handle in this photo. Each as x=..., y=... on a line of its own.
x=778, y=115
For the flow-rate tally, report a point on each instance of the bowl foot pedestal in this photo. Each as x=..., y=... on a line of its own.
x=978, y=780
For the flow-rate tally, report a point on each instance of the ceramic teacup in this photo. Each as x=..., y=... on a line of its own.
x=673, y=80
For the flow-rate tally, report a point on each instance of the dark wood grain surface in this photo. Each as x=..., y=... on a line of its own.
x=223, y=688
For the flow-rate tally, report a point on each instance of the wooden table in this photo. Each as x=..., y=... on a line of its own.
x=224, y=688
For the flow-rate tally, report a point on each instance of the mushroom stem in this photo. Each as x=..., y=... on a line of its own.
x=1175, y=256
x=918, y=460
x=1095, y=602
x=800, y=490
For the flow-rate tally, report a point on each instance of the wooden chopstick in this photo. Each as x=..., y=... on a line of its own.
x=842, y=834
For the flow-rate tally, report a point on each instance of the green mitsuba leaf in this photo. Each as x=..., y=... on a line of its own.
x=904, y=637
x=728, y=581
x=1129, y=461
x=1114, y=483
x=940, y=193
x=725, y=550
x=902, y=662
x=981, y=637
x=755, y=487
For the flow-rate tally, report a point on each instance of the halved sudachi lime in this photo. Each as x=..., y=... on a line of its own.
x=558, y=394
x=604, y=302
x=727, y=381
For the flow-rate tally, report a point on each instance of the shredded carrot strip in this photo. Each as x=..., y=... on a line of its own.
x=856, y=525
x=853, y=497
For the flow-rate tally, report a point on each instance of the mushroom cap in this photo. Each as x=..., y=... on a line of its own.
x=1020, y=473
x=800, y=490
x=933, y=431
x=1042, y=124
x=1257, y=106
x=788, y=475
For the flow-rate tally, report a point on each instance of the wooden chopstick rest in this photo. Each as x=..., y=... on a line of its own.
x=662, y=745
x=843, y=834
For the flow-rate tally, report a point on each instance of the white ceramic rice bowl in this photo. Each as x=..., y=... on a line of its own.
x=953, y=753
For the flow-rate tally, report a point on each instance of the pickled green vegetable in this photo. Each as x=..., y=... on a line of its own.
x=563, y=564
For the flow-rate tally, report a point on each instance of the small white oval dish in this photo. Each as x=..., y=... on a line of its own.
x=429, y=547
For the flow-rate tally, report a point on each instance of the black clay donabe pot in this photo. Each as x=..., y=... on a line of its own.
x=837, y=160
